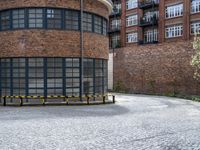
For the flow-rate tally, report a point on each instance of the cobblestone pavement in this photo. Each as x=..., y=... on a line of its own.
x=135, y=122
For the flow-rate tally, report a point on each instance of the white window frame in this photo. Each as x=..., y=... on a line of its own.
x=195, y=6
x=174, y=11
x=131, y=4
x=132, y=37
x=195, y=28
x=132, y=20
x=174, y=31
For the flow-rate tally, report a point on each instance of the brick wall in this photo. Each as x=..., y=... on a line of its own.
x=163, y=69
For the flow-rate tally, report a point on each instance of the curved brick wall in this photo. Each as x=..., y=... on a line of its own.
x=53, y=43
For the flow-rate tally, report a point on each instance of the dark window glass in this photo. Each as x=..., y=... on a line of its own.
x=97, y=24
x=104, y=27
x=88, y=80
x=87, y=22
x=54, y=19
x=54, y=76
x=18, y=18
x=72, y=20
x=35, y=18
x=5, y=77
x=5, y=20
x=36, y=76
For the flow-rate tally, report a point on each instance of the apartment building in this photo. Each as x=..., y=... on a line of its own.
x=153, y=21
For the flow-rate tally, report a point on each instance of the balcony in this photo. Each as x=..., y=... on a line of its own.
x=114, y=29
x=142, y=42
x=148, y=4
x=116, y=13
x=151, y=21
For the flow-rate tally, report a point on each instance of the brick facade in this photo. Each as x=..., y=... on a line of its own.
x=162, y=69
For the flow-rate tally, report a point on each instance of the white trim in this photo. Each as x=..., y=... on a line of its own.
x=108, y=3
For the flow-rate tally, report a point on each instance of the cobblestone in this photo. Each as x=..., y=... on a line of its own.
x=135, y=122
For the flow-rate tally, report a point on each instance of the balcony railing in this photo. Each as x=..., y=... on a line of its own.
x=144, y=21
x=141, y=42
x=114, y=29
x=148, y=3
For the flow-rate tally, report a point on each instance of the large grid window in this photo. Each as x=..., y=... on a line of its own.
x=130, y=4
x=195, y=27
x=88, y=85
x=87, y=22
x=174, y=11
x=5, y=20
x=51, y=76
x=36, y=76
x=72, y=76
x=54, y=76
x=195, y=6
x=174, y=31
x=132, y=20
x=71, y=20
x=97, y=24
x=35, y=18
x=18, y=18
x=54, y=19
x=132, y=37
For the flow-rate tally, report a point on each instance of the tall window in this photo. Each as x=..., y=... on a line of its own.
x=54, y=76
x=115, y=41
x=36, y=76
x=87, y=22
x=19, y=83
x=35, y=18
x=72, y=76
x=18, y=18
x=195, y=28
x=195, y=6
x=5, y=77
x=174, y=11
x=71, y=20
x=132, y=20
x=54, y=19
x=104, y=27
x=174, y=31
x=150, y=35
x=97, y=24
x=88, y=81
x=5, y=20
x=99, y=76
x=132, y=37
x=130, y=4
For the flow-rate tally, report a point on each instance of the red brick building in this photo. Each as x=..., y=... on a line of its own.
x=152, y=40
x=40, y=47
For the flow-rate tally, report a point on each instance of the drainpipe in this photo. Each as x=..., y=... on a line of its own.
x=81, y=48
